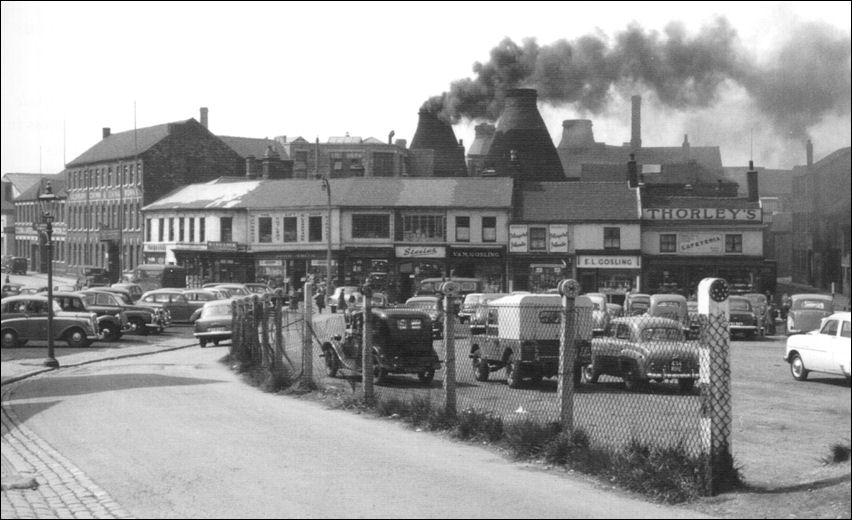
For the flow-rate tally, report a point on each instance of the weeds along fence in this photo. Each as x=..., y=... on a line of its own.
x=644, y=382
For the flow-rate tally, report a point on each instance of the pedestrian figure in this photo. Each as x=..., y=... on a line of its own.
x=319, y=299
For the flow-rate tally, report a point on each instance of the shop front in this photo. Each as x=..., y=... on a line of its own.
x=215, y=262
x=538, y=257
x=682, y=274
x=414, y=263
x=613, y=275
x=363, y=264
x=487, y=264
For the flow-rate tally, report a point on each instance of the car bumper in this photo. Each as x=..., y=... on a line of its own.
x=742, y=328
x=213, y=335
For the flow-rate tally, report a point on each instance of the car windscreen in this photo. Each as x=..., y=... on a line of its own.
x=814, y=305
x=123, y=298
x=739, y=305
x=210, y=311
x=662, y=334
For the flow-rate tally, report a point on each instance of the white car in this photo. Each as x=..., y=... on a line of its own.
x=823, y=350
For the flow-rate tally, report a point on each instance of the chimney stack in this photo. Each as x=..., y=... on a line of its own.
x=685, y=146
x=636, y=123
x=204, y=117
x=809, y=150
x=577, y=133
x=751, y=183
x=106, y=132
x=390, y=137
x=251, y=169
x=632, y=172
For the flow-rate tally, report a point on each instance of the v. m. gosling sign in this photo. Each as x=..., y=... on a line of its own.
x=711, y=214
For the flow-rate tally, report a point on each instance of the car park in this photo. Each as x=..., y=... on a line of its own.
x=522, y=336
x=112, y=321
x=25, y=318
x=402, y=344
x=636, y=304
x=172, y=301
x=826, y=350
x=433, y=306
x=671, y=306
x=742, y=321
x=807, y=311
x=214, y=322
x=640, y=349
x=140, y=319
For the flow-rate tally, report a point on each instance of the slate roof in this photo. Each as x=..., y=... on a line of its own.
x=579, y=201
x=770, y=182
x=250, y=146
x=574, y=158
x=23, y=181
x=122, y=145
x=674, y=201
x=348, y=192
x=57, y=185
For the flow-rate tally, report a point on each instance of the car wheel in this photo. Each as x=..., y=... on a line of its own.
x=797, y=368
x=380, y=375
x=332, y=364
x=481, y=370
x=513, y=369
x=632, y=381
x=216, y=342
x=10, y=339
x=426, y=376
x=75, y=338
x=109, y=332
x=202, y=343
x=686, y=385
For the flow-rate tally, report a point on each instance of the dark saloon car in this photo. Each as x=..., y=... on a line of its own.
x=402, y=344
x=807, y=311
x=112, y=321
x=25, y=318
x=140, y=320
x=214, y=323
x=640, y=349
x=433, y=306
x=742, y=319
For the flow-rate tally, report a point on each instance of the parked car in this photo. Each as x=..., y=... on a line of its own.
x=214, y=322
x=636, y=304
x=33, y=290
x=693, y=318
x=671, y=306
x=760, y=305
x=433, y=306
x=12, y=289
x=522, y=336
x=25, y=319
x=140, y=319
x=475, y=307
x=257, y=288
x=402, y=344
x=172, y=301
x=134, y=289
x=197, y=298
x=640, y=349
x=91, y=276
x=233, y=289
x=742, y=320
x=614, y=310
x=346, y=290
x=112, y=322
x=825, y=350
x=16, y=265
x=600, y=316
x=807, y=311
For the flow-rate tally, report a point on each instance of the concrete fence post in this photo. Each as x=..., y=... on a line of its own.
x=367, y=345
x=307, y=336
x=279, y=334
x=264, y=333
x=450, y=289
x=567, y=355
x=715, y=380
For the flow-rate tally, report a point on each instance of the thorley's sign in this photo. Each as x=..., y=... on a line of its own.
x=711, y=214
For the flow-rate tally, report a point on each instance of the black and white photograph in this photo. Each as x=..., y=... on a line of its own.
x=426, y=259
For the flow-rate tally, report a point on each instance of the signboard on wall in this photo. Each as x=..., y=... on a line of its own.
x=608, y=262
x=703, y=214
x=558, y=238
x=421, y=252
x=518, y=239
x=700, y=243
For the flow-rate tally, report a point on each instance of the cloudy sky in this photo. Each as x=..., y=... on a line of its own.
x=753, y=78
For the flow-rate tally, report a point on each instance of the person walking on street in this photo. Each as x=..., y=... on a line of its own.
x=319, y=299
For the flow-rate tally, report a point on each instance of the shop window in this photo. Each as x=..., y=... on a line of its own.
x=201, y=229
x=314, y=229
x=290, y=228
x=462, y=229
x=538, y=239
x=147, y=230
x=181, y=224
x=733, y=243
x=226, y=233
x=264, y=229
x=612, y=238
x=489, y=229
x=370, y=226
x=191, y=237
x=668, y=243
x=171, y=229
x=160, y=229
x=422, y=228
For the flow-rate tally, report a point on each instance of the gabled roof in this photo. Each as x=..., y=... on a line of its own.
x=22, y=181
x=123, y=145
x=229, y=193
x=579, y=201
x=57, y=186
x=250, y=146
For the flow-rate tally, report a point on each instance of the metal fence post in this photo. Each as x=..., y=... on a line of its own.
x=264, y=334
x=235, y=337
x=450, y=289
x=279, y=334
x=567, y=355
x=307, y=336
x=367, y=345
x=715, y=379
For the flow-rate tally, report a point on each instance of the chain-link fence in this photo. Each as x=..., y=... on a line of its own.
x=644, y=380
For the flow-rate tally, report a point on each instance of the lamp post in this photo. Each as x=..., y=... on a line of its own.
x=326, y=186
x=47, y=205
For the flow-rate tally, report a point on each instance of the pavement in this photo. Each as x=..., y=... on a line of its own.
x=37, y=481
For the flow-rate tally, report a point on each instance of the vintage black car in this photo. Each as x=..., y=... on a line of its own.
x=112, y=322
x=25, y=318
x=140, y=320
x=402, y=344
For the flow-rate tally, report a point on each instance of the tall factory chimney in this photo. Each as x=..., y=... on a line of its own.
x=522, y=147
x=435, y=148
x=636, y=122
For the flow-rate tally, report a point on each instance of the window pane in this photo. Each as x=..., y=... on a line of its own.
x=463, y=229
x=314, y=229
x=290, y=229
x=264, y=229
x=538, y=239
x=489, y=229
x=370, y=226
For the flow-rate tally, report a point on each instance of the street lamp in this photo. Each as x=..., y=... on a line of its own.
x=326, y=186
x=47, y=204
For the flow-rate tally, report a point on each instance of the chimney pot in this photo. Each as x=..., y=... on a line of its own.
x=204, y=117
x=250, y=167
x=106, y=132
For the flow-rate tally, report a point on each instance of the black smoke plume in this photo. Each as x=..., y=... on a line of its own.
x=808, y=78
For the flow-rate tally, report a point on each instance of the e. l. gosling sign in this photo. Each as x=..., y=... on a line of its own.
x=609, y=262
x=706, y=214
